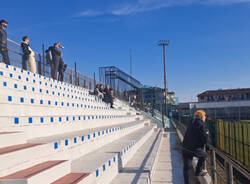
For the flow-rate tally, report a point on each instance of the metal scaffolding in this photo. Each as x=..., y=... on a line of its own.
x=124, y=85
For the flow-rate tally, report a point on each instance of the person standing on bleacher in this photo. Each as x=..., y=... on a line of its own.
x=28, y=55
x=56, y=57
x=3, y=42
x=195, y=139
x=61, y=69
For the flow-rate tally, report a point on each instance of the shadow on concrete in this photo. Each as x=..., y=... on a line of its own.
x=176, y=159
x=138, y=171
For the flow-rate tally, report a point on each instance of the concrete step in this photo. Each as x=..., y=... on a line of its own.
x=18, y=147
x=15, y=155
x=11, y=78
x=141, y=166
x=11, y=138
x=47, y=126
x=102, y=130
x=66, y=146
x=169, y=167
x=15, y=96
x=45, y=172
x=103, y=164
x=78, y=143
x=72, y=178
x=15, y=73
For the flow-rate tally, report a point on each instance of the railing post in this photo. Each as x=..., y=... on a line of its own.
x=75, y=75
x=84, y=82
x=94, y=80
x=229, y=169
x=214, y=167
x=230, y=173
x=71, y=77
x=77, y=78
x=43, y=60
x=90, y=85
x=40, y=65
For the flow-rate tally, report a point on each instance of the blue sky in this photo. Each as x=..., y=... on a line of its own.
x=209, y=39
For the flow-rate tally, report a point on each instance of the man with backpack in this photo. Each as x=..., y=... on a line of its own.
x=54, y=55
x=3, y=42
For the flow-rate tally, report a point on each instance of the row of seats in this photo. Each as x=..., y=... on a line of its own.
x=48, y=87
x=20, y=105
x=19, y=87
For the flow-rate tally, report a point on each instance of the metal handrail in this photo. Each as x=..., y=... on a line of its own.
x=230, y=161
x=15, y=43
x=89, y=82
x=72, y=76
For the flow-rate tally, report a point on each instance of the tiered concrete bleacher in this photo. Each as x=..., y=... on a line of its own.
x=54, y=132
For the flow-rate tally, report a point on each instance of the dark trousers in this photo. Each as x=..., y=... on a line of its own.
x=54, y=69
x=24, y=62
x=5, y=56
x=187, y=160
x=60, y=75
x=111, y=102
x=109, y=99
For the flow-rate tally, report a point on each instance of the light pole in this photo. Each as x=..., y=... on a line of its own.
x=163, y=44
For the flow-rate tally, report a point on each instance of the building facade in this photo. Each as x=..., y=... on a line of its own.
x=225, y=95
x=231, y=104
x=153, y=97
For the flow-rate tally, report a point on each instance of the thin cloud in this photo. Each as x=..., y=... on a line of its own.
x=89, y=13
x=150, y=5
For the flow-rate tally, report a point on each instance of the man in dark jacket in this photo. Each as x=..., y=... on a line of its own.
x=3, y=42
x=56, y=57
x=196, y=137
x=61, y=69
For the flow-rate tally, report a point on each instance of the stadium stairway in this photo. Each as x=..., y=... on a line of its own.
x=55, y=132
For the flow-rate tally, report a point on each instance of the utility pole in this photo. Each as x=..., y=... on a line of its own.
x=130, y=60
x=163, y=44
x=130, y=63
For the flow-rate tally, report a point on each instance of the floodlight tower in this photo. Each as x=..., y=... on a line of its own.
x=164, y=44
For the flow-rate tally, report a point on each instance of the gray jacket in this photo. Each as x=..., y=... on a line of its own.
x=56, y=54
x=3, y=38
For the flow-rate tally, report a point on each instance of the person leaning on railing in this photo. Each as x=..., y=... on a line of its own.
x=195, y=138
x=3, y=42
x=28, y=55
